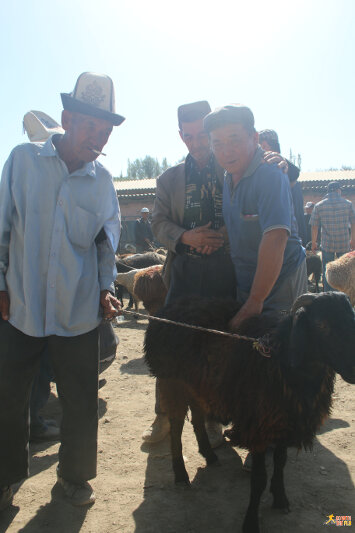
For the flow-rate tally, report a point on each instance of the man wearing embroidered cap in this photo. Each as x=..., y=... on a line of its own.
x=59, y=229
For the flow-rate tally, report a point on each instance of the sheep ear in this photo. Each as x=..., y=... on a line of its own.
x=299, y=339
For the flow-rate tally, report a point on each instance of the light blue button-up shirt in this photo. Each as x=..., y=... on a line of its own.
x=49, y=261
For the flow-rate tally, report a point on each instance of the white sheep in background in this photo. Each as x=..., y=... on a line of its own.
x=340, y=275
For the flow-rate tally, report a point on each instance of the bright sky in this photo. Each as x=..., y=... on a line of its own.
x=292, y=63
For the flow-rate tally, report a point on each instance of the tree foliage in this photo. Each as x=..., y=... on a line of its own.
x=147, y=167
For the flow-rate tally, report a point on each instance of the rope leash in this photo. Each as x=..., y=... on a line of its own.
x=260, y=344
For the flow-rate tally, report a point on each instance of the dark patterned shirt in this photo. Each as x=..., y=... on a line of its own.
x=204, y=195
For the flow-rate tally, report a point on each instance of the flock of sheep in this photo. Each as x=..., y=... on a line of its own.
x=277, y=401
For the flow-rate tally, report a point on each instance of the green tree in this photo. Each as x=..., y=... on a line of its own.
x=147, y=167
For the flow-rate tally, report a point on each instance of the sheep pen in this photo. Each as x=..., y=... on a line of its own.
x=279, y=401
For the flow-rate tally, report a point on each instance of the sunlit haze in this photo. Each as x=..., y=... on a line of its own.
x=291, y=63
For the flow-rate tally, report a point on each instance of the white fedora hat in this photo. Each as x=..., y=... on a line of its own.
x=40, y=126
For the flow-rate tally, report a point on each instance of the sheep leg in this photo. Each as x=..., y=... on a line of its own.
x=130, y=303
x=176, y=426
x=277, y=487
x=204, y=446
x=257, y=486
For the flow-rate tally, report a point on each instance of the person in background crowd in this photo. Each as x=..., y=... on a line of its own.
x=336, y=218
x=308, y=208
x=59, y=229
x=268, y=140
x=143, y=233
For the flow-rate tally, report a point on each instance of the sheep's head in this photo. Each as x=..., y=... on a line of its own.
x=324, y=324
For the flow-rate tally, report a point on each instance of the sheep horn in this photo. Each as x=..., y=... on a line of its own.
x=302, y=301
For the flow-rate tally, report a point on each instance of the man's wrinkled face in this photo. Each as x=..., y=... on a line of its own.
x=234, y=147
x=196, y=140
x=86, y=133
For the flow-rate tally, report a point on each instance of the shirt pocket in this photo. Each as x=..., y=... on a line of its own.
x=83, y=227
x=250, y=229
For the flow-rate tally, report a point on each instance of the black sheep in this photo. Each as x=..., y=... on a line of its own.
x=314, y=265
x=280, y=400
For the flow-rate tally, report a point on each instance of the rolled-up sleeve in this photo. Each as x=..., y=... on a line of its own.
x=6, y=208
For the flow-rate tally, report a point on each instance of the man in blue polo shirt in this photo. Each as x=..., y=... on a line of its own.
x=268, y=257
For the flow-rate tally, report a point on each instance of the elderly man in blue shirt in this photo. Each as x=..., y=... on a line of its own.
x=59, y=229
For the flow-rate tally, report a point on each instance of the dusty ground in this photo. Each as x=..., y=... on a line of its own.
x=135, y=489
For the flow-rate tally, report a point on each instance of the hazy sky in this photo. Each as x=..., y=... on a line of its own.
x=291, y=63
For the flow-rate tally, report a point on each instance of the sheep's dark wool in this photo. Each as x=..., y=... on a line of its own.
x=314, y=266
x=280, y=401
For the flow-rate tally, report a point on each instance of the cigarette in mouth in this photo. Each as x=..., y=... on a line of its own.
x=96, y=151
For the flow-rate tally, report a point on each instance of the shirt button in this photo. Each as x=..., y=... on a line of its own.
x=60, y=202
x=53, y=254
x=52, y=285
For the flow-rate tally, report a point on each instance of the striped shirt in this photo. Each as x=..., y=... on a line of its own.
x=334, y=215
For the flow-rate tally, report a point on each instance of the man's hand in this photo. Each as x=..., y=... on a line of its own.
x=250, y=308
x=274, y=157
x=110, y=305
x=204, y=239
x=4, y=305
x=314, y=246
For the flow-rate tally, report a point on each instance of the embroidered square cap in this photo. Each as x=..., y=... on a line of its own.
x=230, y=114
x=193, y=111
x=93, y=95
x=39, y=126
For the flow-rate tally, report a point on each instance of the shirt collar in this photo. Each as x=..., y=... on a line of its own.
x=255, y=162
x=49, y=150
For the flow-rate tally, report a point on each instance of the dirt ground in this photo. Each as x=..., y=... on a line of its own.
x=135, y=489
